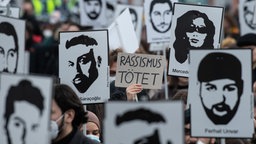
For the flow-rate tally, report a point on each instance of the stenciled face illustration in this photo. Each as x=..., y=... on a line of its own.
x=92, y=8
x=221, y=86
x=248, y=9
x=220, y=98
x=8, y=54
x=197, y=32
x=152, y=132
x=83, y=65
x=23, y=127
x=161, y=17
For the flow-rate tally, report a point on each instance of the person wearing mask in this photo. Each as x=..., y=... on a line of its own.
x=66, y=116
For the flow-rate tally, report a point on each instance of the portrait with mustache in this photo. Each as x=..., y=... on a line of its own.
x=220, y=88
x=160, y=12
x=93, y=8
x=83, y=63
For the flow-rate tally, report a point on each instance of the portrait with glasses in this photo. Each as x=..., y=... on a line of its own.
x=194, y=27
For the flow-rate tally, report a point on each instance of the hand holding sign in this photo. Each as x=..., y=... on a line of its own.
x=132, y=90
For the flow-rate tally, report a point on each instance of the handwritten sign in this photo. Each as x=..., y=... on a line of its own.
x=140, y=68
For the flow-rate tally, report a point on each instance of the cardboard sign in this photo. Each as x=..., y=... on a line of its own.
x=220, y=93
x=83, y=64
x=143, y=69
x=137, y=122
x=193, y=27
x=25, y=106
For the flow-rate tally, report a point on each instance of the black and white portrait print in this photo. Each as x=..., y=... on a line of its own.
x=92, y=13
x=194, y=27
x=83, y=63
x=247, y=16
x=158, y=15
x=12, y=42
x=25, y=109
x=134, y=123
x=219, y=91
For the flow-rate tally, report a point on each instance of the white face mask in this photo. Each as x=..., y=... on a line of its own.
x=54, y=131
x=93, y=137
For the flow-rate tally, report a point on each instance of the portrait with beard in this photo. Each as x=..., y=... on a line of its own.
x=85, y=64
x=221, y=86
x=93, y=8
x=161, y=15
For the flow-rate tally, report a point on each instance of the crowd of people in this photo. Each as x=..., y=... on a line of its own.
x=67, y=111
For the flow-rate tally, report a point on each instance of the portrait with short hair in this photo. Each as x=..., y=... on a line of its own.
x=92, y=13
x=151, y=123
x=25, y=109
x=193, y=27
x=83, y=63
x=220, y=92
x=158, y=19
x=12, y=45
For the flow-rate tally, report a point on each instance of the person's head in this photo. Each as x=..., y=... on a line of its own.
x=248, y=11
x=160, y=12
x=23, y=110
x=8, y=49
x=193, y=30
x=93, y=126
x=67, y=111
x=113, y=61
x=221, y=86
x=248, y=41
x=93, y=8
x=83, y=65
x=142, y=116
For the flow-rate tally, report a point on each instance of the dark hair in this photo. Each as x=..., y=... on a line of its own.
x=94, y=0
x=219, y=65
x=181, y=44
x=159, y=1
x=8, y=29
x=67, y=99
x=82, y=39
x=24, y=91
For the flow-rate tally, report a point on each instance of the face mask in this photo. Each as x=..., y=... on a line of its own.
x=47, y=33
x=55, y=128
x=93, y=137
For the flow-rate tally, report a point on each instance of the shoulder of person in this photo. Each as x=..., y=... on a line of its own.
x=80, y=138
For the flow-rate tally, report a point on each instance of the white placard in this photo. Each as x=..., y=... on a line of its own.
x=158, y=19
x=193, y=27
x=12, y=44
x=83, y=64
x=157, y=122
x=247, y=16
x=122, y=33
x=25, y=106
x=220, y=93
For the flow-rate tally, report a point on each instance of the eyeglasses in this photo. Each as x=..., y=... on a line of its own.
x=194, y=28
